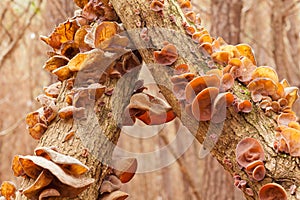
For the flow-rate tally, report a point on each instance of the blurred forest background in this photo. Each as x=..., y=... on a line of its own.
x=271, y=27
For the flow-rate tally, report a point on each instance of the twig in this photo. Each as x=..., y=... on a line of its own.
x=12, y=46
x=11, y=128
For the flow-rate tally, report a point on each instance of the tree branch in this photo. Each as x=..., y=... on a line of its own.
x=237, y=126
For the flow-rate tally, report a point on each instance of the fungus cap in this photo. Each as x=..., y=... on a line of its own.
x=272, y=191
x=249, y=150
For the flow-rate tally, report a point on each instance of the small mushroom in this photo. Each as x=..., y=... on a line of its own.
x=286, y=118
x=291, y=94
x=198, y=84
x=167, y=56
x=222, y=101
x=16, y=167
x=8, y=190
x=245, y=106
x=49, y=193
x=116, y=195
x=70, y=112
x=227, y=82
x=104, y=31
x=202, y=104
x=207, y=47
x=259, y=173
x=265, y=72
x=149, y=109
x=37, y=130
x=191, y=16
x=181, y=69
x=110, y=184
x=249, y=150
x=246, y=70
x=262, y=86
x=289, y=141
x=125, y=169
x=221, y=57
x=272, y=191
x=53, y=90
x=55, y=62
x=186, y=77
x=246, y=51
x=157, y=5
x=62, y=73
x=43, y=180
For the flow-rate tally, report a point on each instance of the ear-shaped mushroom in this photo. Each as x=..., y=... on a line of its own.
x=262, y=86
x=265, y=72
x=167, y=56
x=222, y=101
x=291, y=94
x=157, y=6
x=70, y=111
x=249, y=150
x=55, y=62
x=104, y=31
x=37, y=130
x=125, y=169
x=67, y=185
x=181, y=69
x=110, y=184
x=149, y=109
x=16, y=167
x=49, y=193
x=291, y=138
x=62, y=73
x=246, y=51
x=286, y=118
x=272, y=191
x=198, y=84
x=227, y=82
x=53, y=90
x=256, y=170
x=202, y=104
x=186, y=77
x=41, y=182
x=221, y=57
x=116, y=195
x=245, y=106
x=8, y=190
x=69, y=164
x=245, y=71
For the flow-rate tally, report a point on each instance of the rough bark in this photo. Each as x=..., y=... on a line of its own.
x=280, y=168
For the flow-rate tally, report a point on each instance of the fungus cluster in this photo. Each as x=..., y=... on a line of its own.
x=122, y=171
x=273, y=96
x=149, y=109
x=54, y=174
x=250, y=156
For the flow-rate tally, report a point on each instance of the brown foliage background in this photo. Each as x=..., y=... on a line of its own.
x=269, y=26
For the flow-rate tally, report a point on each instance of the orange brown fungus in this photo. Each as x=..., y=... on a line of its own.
x=8, y=190
x=157, y=5
x=149, y=109
x=250, y=155
x=55, y=174
x=167, y=56
x=125, y=169
x=287, y=141
x=272, y=191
